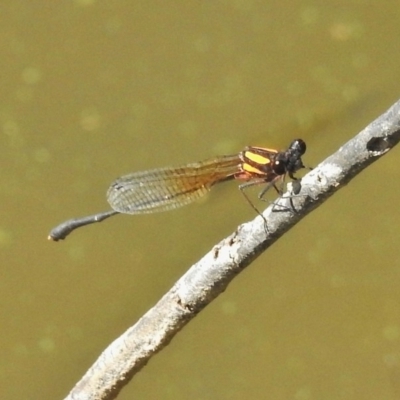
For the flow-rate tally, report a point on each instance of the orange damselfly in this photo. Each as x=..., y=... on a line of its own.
x=164, y=189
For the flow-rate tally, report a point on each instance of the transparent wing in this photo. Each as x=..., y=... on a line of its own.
x=164, y=189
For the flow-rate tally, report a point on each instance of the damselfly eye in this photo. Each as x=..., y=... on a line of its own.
x=299, y=146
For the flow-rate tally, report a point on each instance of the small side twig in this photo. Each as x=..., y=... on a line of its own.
x=211, y=275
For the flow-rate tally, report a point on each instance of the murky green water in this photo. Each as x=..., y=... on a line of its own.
x=92, y=90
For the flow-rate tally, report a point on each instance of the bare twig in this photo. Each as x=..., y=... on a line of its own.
x=211, y=275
